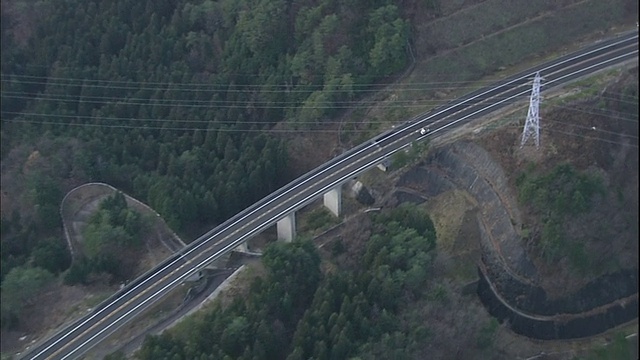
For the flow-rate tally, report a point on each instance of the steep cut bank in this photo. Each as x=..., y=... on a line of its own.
x=510, y=283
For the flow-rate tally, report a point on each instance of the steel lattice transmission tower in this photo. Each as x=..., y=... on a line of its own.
x=532, y=125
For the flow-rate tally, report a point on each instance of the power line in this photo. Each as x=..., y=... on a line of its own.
x=621, y=98
x=105, y=99
x=226, y=103
x=95, y=69
x=174, y=128
x=591, y=128
x=230, y=87
x=550, y=129
x=201, y=121
x=606, y=113
x=251, y=88
x=189, y=103
x=48, y=79
x=45, y=95
x=588, y=137
x=190, y=86
x=195, y=121
x=609, y=114
x=232, y=103
x=178, y=128
x=261, y=104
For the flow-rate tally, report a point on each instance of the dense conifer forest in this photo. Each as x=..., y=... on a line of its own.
x=183, y=104
x=296, y=312
x=173, y=102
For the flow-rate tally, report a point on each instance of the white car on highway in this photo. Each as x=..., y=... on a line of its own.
x=425, y=131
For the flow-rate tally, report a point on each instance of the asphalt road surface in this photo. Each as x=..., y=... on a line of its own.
x=122, y=307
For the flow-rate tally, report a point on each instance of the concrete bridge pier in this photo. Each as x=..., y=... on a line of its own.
x=243, y=247
x=333, y=200
x=287, y=227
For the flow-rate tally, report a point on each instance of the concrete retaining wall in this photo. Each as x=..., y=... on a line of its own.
x=80, y=196
x=445, y=169
x=508, y=283
x=560, y=327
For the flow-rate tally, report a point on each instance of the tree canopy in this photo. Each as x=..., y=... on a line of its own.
x=111, y=236
x=297, y=313
x=19, y=288
x=177, y=103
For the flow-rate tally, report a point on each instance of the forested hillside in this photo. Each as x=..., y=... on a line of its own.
x=182, y=104
x=297, y=313
x=172, y=102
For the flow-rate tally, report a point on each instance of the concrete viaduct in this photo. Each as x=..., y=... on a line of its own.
x=287, y=225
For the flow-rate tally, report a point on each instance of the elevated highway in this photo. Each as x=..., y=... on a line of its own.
x=77, y=338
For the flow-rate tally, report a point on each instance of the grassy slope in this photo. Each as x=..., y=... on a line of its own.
x=491, y=47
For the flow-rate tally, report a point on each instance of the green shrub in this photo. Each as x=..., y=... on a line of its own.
x=487, y=333
x=554, y=196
